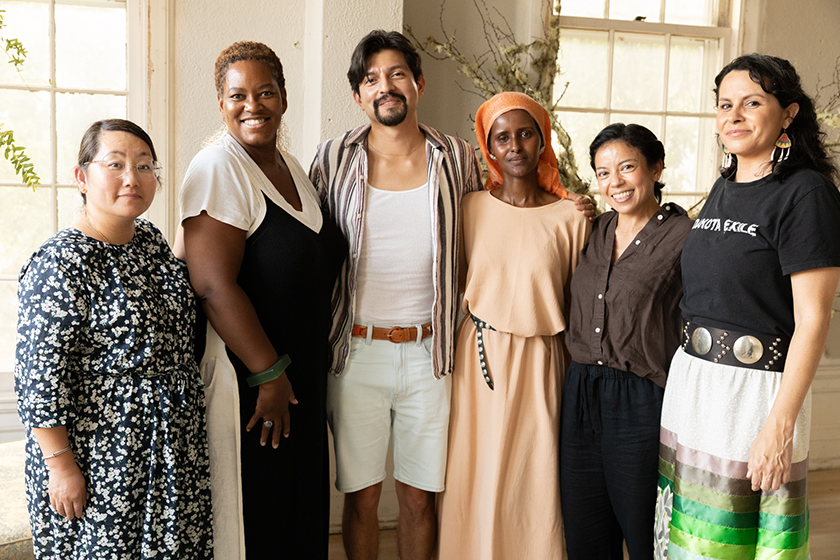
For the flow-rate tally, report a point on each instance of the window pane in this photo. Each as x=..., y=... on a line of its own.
x=583, y=62
x=582, y=8
x=582, y=128
x=691, y=73
x=638, y=72
x=686, y=201
x=651, y=122
x=688, y=154
x=691, y=12
x=28, y=115
x=24, y=225
x=69, y=204
x=75, y=112
x=8, y=326
x=90, y=60
x=28, y=22
x=631, y=9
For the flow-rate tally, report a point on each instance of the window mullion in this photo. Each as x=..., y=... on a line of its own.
x=662, y=10
x=610, y=60
x=53, y=123
x=664, y=127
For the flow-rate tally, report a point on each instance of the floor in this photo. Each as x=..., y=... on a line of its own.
x=824, y=501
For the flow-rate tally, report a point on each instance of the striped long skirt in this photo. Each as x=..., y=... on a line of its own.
x=706, y=508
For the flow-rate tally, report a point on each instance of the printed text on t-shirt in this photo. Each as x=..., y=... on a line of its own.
x=714, y=224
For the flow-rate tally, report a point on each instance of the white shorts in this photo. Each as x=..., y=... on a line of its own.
x=389, y=387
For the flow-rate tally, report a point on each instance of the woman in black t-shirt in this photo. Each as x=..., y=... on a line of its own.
x=760, y=269
x=624, y=324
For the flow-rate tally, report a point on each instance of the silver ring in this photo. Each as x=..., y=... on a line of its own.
x=268, y=423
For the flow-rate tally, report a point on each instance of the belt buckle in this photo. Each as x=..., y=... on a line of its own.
x=391, y=332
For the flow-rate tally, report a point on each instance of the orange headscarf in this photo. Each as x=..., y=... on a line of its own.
x=547, y=175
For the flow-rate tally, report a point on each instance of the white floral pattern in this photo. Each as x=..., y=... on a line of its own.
x=662, y=524
x=105, y=347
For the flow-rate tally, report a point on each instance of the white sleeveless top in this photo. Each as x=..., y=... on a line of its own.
x=395, y=276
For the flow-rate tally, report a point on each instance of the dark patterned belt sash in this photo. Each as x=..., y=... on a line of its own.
x=479, y=325
x=731, y=348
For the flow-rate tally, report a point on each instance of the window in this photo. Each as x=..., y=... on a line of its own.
x=650, y=62
x=87, y=60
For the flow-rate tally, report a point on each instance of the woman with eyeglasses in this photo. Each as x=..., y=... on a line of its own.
x=105, y=375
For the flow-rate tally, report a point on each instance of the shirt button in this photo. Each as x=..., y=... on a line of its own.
x=667, y=207
x=600, y=363
x=600, y=296
x=638, y=242
x=363, y=178
x=597, y=329
x=659, y=217
x=355, y=255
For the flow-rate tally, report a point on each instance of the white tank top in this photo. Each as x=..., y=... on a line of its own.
x=395, y=276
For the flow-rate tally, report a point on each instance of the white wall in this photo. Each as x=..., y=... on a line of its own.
x=811, y=42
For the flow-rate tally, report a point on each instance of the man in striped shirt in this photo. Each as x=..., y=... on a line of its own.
x=394, y=188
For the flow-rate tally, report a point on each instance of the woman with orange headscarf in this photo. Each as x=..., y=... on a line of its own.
x=521, y=241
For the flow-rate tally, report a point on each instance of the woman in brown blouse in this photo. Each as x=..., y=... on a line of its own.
x=624, y=325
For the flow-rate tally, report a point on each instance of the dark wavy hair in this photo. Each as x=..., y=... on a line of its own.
x=778, y=77
x=90, y=141
x=379, y=40
x=247, y=50
x=636, y=136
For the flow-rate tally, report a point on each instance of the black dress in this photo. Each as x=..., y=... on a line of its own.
x=288, y=272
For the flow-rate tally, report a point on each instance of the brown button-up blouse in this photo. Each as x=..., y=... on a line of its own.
x=626, y=314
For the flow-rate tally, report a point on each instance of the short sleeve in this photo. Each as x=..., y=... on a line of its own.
x=53, y=313
x=809, y=235
x=218, y=182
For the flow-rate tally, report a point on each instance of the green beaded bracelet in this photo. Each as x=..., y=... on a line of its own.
x=271, y=373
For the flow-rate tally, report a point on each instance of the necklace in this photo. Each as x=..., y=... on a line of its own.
x=404, y=155
x=96, y=230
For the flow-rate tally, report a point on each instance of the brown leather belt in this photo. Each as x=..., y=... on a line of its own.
x=394, y=334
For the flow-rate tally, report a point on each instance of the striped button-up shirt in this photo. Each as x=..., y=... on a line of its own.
x=339, y=173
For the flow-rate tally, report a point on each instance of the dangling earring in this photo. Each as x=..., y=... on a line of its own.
x=783, y=145
x=726, y=163
x=492, y=156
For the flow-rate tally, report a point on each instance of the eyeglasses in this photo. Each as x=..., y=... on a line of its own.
x=117, y=169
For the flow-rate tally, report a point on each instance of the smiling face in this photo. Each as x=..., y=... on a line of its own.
x=252, y=105
x=625, y=180
x=750, y=120
x=118, y=198
x=516, y=142
x=388, y=94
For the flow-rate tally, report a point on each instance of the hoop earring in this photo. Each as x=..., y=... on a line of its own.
x=783, y=145
x=726, y=162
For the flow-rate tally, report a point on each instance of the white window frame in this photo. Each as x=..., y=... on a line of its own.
x=148, y=91
x=722, y=35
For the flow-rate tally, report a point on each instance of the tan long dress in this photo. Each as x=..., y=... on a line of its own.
x=502, y=498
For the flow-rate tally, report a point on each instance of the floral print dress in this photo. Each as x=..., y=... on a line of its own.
x=105, y=347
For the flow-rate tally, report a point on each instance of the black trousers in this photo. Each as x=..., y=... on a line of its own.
x=609, y=453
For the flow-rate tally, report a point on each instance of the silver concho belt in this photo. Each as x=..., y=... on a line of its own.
x=732, y=348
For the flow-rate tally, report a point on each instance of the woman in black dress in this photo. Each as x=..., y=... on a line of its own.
x=263, y=262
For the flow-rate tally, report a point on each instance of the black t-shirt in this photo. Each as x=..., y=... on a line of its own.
x=747, y=241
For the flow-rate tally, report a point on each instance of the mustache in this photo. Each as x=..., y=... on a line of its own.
x=388, y=97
